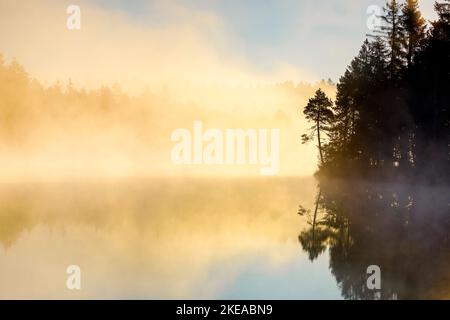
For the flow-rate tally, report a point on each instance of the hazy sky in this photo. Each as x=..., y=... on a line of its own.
x=140, y=41
x=319, y=37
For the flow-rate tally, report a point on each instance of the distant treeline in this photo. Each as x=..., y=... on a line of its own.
x=31, y=110
x=28, y=108
x=391, y=114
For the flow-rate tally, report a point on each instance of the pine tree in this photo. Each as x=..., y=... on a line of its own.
x=441, y=27
x=318, y=110
x=393, y=33
x=414, y=26
x=392, y=110
x=443, y=11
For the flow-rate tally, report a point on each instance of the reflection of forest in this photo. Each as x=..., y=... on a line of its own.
x=24, y=207
x=161, y=209
x=401, y=228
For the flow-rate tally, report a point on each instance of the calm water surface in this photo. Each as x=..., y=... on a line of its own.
x=220, y=238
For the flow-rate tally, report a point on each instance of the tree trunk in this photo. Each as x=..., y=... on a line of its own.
x=410, y=49
x=315, y=215
x=318, y=136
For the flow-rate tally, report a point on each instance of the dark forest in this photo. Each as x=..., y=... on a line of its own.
x=391, y=118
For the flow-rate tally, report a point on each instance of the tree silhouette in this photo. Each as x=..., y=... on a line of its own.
x=394, y=33
x=315, y=239
x=404, y=229
x=443, y=10
x=318, y=110
x=391, y=118
x=414, y=26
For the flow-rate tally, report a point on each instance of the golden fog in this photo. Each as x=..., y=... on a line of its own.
x=103, y=101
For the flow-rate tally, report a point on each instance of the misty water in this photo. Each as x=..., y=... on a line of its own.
x=223, y=238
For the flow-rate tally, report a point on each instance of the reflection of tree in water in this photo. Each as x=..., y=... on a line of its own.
x=403, y=229
x=315, y=239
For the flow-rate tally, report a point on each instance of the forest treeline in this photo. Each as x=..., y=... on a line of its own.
x=28, y=108
x=391, y=117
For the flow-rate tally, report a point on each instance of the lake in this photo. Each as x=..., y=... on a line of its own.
x=230, y=238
